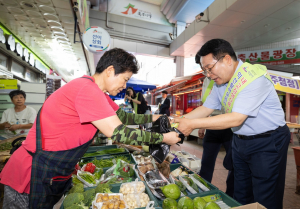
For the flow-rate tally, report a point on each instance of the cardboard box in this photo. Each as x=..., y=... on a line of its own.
x=8, y=84
x=252, y=206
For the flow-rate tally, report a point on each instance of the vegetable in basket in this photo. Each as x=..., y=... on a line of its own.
x=89, y=196
x=191, y=183
x=181, y=187
x=89, y=178
x=78, y=188
x=90, y=167
x=201, y=180
x=98, y=173
x=72, y=199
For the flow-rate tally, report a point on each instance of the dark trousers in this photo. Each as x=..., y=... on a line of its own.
x=259, y=168
x=212, y=142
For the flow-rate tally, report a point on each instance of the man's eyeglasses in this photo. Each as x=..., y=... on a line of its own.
x=207, y=71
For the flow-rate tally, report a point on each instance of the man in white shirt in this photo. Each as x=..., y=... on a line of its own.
x=18, y=120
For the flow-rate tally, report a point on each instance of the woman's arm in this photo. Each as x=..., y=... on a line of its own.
x=113, y=127
x=135, y=119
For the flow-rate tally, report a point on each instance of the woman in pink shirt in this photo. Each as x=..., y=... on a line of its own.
x=39, y=172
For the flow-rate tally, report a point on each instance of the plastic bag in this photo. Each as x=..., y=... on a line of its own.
x=123, y=169
x=161, y=151
x=134, y=187
x=115, y=179
x=155, y=179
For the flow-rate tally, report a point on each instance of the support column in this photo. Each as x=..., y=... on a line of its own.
x=179, y=66
x=287, y=107
x=180, y=27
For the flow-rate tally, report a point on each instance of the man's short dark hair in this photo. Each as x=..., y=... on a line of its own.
x=218, y=48
x=121, y=60
x=17, y=92
x=164, y=92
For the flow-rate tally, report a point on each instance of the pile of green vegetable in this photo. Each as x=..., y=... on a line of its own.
x=77, y=198
x=105, y=152
x=104, y=163
x=5, y=146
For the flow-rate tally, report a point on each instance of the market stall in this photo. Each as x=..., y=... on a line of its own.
x=112, y=177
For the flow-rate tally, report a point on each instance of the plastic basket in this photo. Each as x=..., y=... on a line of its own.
x=116, y=188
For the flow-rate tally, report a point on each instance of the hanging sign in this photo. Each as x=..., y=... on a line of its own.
x=2, y=37
x=138, y=10
x=26, y=55
x=31, y=60
x=11, y=43
x=96, y=39
x=285, y=84
x=19, y=49
x=278, y=56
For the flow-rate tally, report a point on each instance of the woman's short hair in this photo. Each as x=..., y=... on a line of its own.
x=121, y=60
x=17, y=92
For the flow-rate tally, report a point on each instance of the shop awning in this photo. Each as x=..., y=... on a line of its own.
x=172, y=88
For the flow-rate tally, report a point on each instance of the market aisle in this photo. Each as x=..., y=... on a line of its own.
x=290, y=201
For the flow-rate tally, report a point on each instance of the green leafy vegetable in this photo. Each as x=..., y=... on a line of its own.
x=89, y=178
x=5, y=146
x=98, y=173
x=103, y=188
x=104, y=163
x=201, y=180
x=89, y=196
x=105, y=152
x=181, y=187
x=71, y=199
x=78, y=188
x=191, y=183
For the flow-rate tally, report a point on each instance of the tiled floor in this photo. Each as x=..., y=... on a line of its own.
x=290, y=201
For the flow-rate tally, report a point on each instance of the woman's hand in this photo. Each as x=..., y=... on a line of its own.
x=171, y=138
x=14, y=127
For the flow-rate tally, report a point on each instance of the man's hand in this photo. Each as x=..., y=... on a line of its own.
x=14, y=127
x=185, y=125
x=171, y=138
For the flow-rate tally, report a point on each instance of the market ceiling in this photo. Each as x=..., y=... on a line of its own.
x=47, y=28
x=243, y=23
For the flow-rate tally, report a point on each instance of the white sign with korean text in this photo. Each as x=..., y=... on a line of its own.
x=96, y=39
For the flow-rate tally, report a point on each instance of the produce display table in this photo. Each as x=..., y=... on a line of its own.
x=213, y=192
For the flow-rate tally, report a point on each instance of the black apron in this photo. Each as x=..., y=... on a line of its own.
x=51, y=171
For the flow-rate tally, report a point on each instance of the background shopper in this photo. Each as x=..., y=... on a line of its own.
x=137, y=101
x=165, y=104
x=19, y=119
